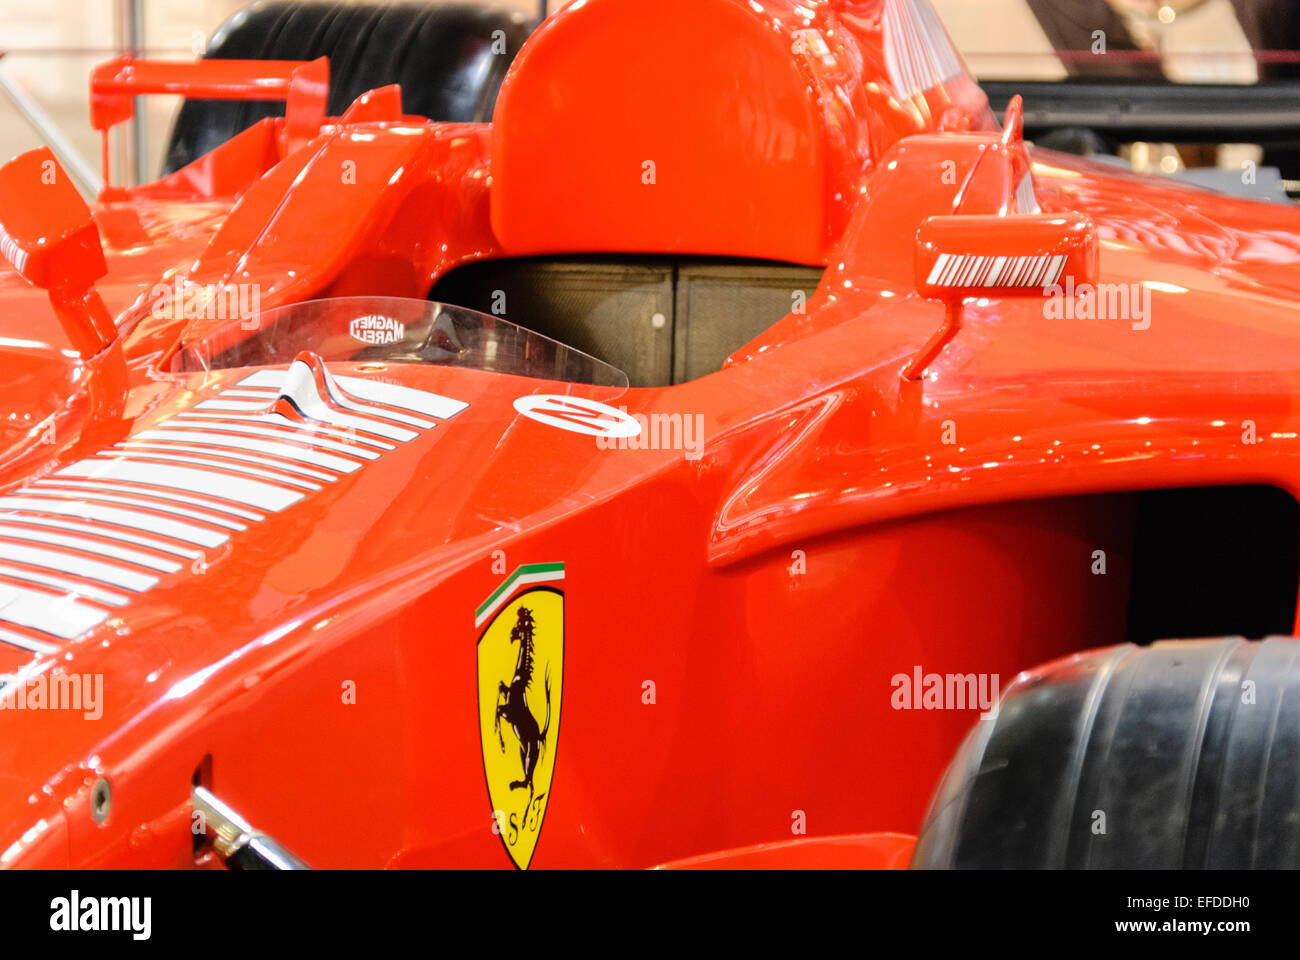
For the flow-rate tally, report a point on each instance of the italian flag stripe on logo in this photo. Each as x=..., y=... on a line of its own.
x=528, y=573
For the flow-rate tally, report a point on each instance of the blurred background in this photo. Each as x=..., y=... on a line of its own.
x=1161, y=85
x=49, y=47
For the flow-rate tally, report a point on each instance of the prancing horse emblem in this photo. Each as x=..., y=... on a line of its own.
x=512, y=704
x=520, y=683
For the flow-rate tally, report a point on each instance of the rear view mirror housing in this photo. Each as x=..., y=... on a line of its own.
x=962, y=256
x=48, y=234
x=992, y=256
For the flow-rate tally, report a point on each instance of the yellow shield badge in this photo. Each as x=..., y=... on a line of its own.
x=520, y=679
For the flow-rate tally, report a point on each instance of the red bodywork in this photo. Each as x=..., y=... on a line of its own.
x=827, y=539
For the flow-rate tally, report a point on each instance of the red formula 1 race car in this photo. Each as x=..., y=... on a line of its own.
x=686, y=467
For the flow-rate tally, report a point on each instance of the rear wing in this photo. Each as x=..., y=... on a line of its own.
x=302, y=84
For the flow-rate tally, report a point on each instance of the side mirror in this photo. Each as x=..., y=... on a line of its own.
x=48, y=234
x=991, y=256
x=1020, y=255
x=46, y=230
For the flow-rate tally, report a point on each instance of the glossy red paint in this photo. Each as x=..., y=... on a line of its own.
x=614, y=121
x=870, y=851
x=826, y=539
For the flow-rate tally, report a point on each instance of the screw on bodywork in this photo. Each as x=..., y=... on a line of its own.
x=101, y=800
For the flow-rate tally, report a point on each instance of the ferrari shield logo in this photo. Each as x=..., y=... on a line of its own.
x=520, y=678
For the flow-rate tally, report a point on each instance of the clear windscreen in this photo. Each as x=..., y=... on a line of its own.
x=393, y=330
